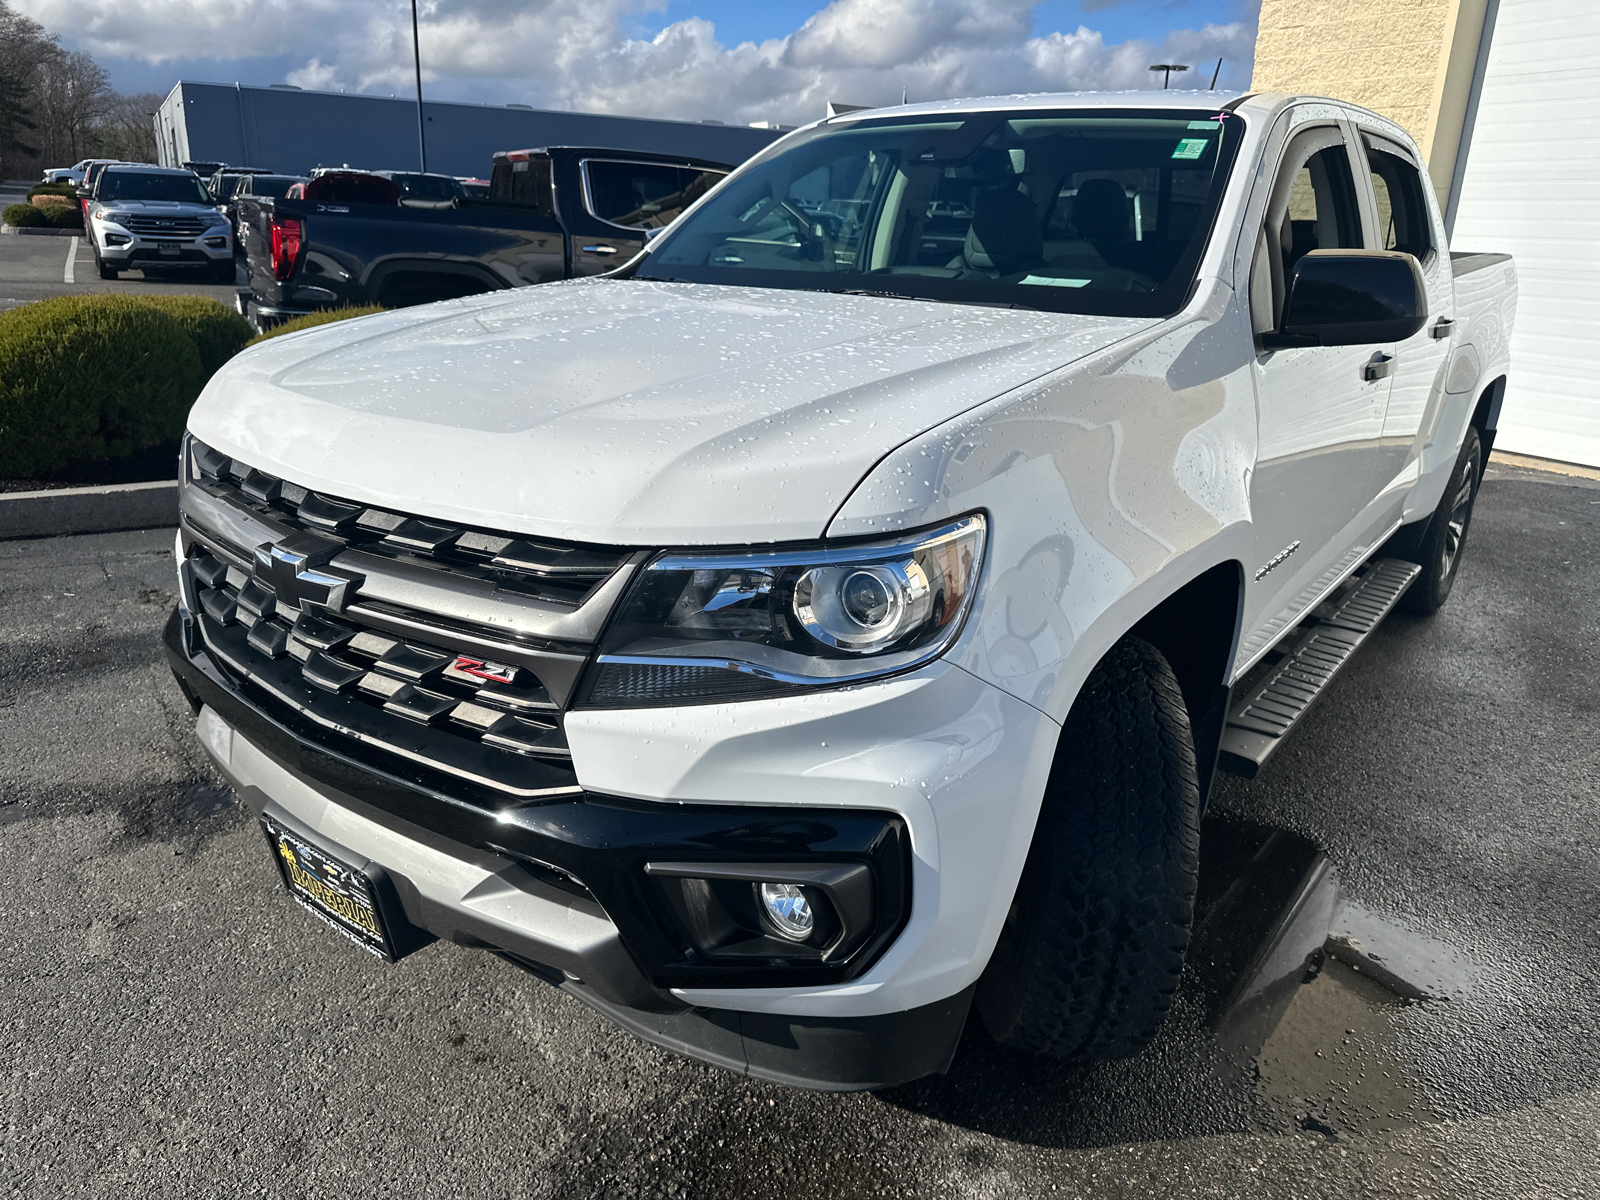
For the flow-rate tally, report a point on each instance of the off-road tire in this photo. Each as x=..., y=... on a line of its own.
x=1439, y=552
x=1090, y=956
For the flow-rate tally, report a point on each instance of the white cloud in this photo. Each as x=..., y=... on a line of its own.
x=578, y=54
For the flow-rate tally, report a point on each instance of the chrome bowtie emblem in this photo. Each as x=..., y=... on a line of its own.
x=295, y=569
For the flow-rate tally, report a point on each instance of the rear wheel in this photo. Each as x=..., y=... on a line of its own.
x=1439, y=552
x=1092, y=949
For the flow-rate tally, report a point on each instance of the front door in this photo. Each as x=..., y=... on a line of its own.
x=1320, y=410
x=622, y=200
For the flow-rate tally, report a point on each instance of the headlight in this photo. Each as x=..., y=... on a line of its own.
x=702, y=628
x=115, y=218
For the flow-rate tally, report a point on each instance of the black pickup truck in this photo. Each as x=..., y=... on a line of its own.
x=551, y=213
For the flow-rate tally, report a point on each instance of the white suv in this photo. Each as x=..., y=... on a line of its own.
x=141, y=215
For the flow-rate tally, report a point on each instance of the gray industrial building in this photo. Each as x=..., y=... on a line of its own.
x=290, y=130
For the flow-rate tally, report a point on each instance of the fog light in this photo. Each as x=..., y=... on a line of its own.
x=788, y=909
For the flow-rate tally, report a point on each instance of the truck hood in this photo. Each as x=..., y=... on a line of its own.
x=625, y=412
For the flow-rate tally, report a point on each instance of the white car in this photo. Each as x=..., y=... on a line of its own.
x=72, y=174
x=826, y=627
x=142, y=216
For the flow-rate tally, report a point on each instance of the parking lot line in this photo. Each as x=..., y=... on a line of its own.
x=72, y=258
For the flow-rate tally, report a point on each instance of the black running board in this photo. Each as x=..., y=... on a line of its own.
x=1270, y=709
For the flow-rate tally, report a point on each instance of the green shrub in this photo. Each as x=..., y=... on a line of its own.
x=312, y=320
x=54, y=189
x=24, y=215
x=86, y=378
x=63, y=218
x=218, y=332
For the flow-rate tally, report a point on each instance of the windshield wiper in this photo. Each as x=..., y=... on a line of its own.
x=925, y=299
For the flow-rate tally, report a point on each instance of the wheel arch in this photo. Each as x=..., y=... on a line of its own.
x=1196, y=629
x=1486, y=417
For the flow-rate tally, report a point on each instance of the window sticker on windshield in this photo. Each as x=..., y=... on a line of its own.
x=1210, y=125
x=1190, y=148
x=1047, y=281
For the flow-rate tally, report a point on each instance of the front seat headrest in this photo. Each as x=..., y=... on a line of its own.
x=1004, y=232
x=1101, y=211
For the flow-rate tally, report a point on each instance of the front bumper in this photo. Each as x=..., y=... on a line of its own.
x=171, y=251
x=510, y=882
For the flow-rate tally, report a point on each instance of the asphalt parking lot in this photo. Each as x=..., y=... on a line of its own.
x=34, y=267
x=173, y=1026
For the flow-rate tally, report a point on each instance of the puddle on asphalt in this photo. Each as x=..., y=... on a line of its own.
x=1306, y=986
x=1333, y=1064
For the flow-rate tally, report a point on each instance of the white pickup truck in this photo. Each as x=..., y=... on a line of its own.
x=827, y=626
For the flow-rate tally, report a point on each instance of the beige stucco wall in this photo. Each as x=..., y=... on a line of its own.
x=1410, y=60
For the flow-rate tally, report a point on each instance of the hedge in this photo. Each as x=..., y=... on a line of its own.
x=86, y=378
x=69, y=190
x=217, y=331
x=50, y=200
x=64, y=218
x=312, y=320
x=25, y=215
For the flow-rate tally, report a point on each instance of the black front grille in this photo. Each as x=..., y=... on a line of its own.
x=492, y=723
x=551, y=571
x=173, y=227
x=280, y=609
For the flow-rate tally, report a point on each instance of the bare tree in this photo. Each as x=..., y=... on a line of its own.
x=127, y=129
x=72, y=97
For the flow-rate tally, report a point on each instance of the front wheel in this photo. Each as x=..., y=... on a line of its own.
x=1089, y=959
x=1439, y=552
x=224, y=272
x=106, y=272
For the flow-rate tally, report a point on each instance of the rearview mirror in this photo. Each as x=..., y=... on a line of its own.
x=1351, y=298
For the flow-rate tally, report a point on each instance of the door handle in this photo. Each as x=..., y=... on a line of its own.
x=1441, y=328
x=1378, y=368
x=598, y=249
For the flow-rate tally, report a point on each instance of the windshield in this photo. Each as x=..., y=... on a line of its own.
x=145, y=185
x=1088, y=211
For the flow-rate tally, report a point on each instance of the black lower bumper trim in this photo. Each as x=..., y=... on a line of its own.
x=825, y=1054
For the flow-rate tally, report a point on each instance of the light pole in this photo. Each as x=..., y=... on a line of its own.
x=416, y=52
x=1168, y=68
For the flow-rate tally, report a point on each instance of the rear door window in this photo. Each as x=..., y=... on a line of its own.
x=1402, y=210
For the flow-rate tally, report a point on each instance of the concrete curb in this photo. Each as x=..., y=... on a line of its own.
x=34, y=232
x=89, y=509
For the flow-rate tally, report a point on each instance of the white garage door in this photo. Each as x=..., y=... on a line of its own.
x=1532, y=189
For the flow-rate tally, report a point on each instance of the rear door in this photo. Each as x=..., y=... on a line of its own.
x=623, y=199
x=1320, y=410
x=1402, y=220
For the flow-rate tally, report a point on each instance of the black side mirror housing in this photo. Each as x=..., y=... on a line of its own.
x=82, y=192
x=1351, y=298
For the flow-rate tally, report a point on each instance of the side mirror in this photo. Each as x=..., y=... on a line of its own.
x=83, y=193
x=1351, y=298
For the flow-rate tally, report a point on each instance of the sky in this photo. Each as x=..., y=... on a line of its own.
x=729, y=60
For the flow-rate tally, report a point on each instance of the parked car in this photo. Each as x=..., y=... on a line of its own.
x=818, y=630
x=476, y=189
x=224, y=180
x=552, y=214
x=141, y=216
x=273, y=186
x=72, y=174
